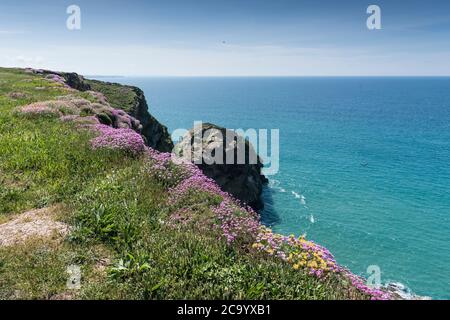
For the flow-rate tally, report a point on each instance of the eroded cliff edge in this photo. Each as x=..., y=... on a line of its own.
x=132, y=100
x=127, y=98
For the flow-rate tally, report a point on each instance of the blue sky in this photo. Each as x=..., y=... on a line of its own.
x=228, y=38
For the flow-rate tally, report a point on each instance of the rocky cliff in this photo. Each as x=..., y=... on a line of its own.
x=132, y=100
x=155, y=133
x=127, y=98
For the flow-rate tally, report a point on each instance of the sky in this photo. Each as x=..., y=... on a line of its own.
x=228, y=38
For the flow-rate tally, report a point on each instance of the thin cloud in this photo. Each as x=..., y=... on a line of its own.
x=11, y=32
x=21, y=60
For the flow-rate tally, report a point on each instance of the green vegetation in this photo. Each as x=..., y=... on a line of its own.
x=118, y=215
x=119, y=96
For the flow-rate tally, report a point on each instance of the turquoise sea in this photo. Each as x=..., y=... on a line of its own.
x=364, y=168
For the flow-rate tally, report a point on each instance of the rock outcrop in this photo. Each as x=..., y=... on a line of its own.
x=134, y=103
x=399, y=291
x=243, y=178
x=156, y=134
x=76, y=81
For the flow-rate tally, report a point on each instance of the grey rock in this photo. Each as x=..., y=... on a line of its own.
x=242, y=179
x=156, y=134
x=401, y=292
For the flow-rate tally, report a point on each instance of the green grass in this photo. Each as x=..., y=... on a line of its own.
x=117, y=213
x=38, y=269
x=119, y=96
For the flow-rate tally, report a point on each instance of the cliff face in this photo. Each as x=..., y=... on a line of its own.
x=76, y=81
x=127, y=98
x=132, y=100
x=156, y=134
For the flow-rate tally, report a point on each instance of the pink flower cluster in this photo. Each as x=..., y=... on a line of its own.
x=297, y=251
x=196, y=181
x=360, y=284
x=47, y=108
x=82, y=122
x=58, y=79
x=161, y=167
x=181, y=217
x=17, y=95
x=235, y=222
x=118, y=139
x=39, y=109
x=100, y=97
x=304, y=254
x=230, y=217
x=69, y=118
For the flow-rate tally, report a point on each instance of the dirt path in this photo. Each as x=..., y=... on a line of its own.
x=38, y=223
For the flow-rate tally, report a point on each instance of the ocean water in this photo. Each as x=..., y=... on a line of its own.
x=364, y=162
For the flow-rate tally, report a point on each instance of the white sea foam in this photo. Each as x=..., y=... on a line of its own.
x=299, y=196
x=403, y=291
x=303, y=200
x=273, y=183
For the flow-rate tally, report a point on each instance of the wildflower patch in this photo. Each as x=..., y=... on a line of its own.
x=125, y=140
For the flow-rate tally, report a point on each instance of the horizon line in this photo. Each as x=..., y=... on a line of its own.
x=90, y=75
x=267, y=76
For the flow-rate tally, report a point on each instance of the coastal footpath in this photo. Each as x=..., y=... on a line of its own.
x=92, y=206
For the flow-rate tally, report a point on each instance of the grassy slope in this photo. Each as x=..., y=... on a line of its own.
x=115, y=211
x=121, y=97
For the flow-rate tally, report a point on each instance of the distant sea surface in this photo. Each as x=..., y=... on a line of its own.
x=364, y=168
